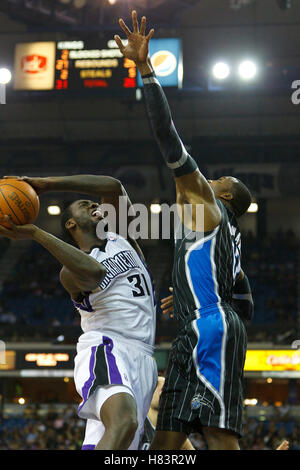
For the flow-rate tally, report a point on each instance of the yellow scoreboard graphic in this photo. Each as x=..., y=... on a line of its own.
x=35, y=66
x=9, y=361
x=272, y=360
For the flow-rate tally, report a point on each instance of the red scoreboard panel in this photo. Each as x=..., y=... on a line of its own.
x=83, y=65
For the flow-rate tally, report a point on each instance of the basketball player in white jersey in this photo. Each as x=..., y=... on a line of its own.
x=108, y=281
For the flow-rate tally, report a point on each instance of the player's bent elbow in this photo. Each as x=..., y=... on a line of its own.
x=92, y=278
x=98, y=274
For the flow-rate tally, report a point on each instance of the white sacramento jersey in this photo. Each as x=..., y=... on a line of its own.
x=124, y=302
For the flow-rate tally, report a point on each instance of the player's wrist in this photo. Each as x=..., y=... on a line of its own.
x=50, y=183
x=37, y=234
x=145, y=68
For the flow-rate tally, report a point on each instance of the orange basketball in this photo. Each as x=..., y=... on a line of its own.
x=19, y=200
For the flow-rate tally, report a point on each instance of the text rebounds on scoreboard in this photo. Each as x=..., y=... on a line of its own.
x=80, y=65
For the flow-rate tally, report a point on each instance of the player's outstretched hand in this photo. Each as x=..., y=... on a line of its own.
x=17, y=232
x=167, y=304
x=137, y=48
x=283, y=446
x=40, y=185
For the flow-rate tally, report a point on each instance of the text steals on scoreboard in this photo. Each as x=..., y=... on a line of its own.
x=80, y=66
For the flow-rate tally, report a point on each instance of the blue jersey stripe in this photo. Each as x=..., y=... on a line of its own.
x=201, y=274
x=209, y=347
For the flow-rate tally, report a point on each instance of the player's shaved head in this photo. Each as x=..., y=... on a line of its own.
x=241, y=198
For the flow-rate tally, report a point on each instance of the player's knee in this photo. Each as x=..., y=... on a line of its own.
x=220, y=438
x=125, y=427
x=130, y=424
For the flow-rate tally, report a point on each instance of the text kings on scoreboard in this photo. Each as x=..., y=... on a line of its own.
x=79, y=65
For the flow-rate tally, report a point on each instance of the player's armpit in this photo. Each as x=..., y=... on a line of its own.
x=193, y=189
x=75, y=285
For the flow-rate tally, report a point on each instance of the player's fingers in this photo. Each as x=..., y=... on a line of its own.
x=167, y=310
x=143, y=25
x=150, y=34
x=167, y=304
x=4, y=231
x=9, y=220
x=283, y=446
x=119, y=43
x=135, y=22
x=124, y=27
x=13, y=177
x=167, y=299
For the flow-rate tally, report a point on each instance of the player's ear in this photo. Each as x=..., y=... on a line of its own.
x=227, y=196
x=70, y=224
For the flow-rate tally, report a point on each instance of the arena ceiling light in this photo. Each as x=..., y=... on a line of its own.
x=253, y=208
x=221, y=70
x=247, y=70
x=112, y=2
x=155, y=208
x=54, y=210
x=5, y=76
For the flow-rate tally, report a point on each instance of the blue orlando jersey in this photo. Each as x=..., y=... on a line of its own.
x=205, y=270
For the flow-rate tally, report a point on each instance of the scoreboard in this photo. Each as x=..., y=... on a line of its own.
x=72, y=65
x=88, y=64
x=79, y=65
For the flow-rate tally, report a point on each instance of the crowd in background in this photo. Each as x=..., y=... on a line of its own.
x=63, y=430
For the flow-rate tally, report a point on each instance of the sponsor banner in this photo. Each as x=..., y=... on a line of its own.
x=49, y=359
x=272, y=360
x=34, y=66
x=8, y=360
x=166, y=59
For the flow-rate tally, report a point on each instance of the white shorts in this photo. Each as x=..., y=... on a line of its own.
x=106, y=365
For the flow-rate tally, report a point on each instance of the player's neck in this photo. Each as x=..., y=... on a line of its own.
x=89, y=241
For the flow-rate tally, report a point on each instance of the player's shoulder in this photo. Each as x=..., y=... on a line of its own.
x=227, y=213
x=111, y=236
x=126, y=243
x=118, y=239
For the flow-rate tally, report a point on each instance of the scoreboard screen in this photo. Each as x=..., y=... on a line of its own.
x=72, y=65
x=80, y=65
x=88, y=64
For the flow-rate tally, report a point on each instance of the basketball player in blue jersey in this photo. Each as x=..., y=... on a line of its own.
x=203, y=390
x=115, y=372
